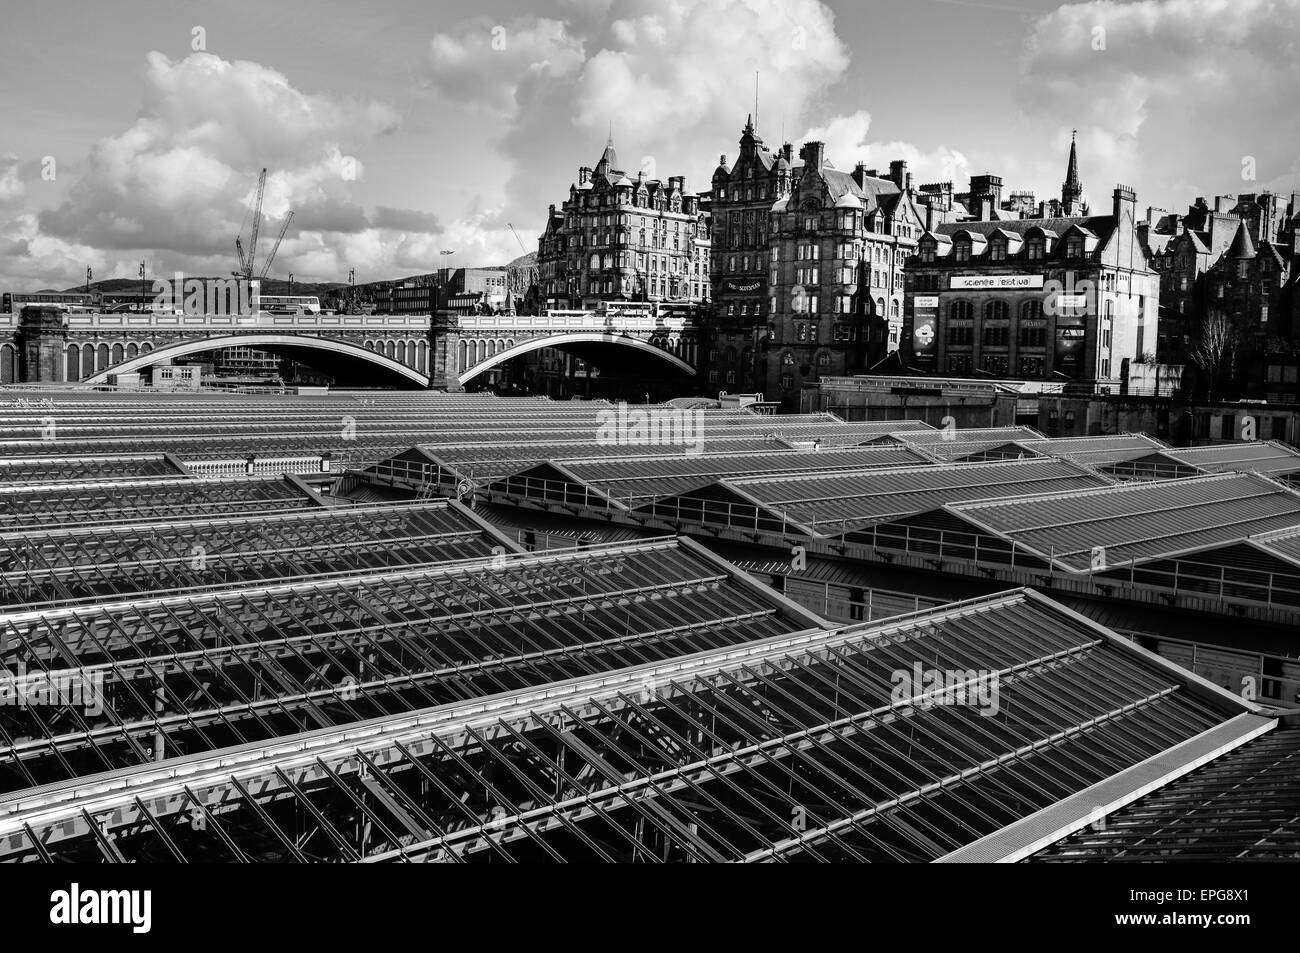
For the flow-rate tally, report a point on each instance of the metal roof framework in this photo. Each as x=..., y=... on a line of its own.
x=1182, y=535
x=1271, y=458
x=40, y=506
x=165, y=676
x=802, y=745
x=626, y=482
x=1239, y=807
x=833, y=504
x=92, y=563
x=68, y=468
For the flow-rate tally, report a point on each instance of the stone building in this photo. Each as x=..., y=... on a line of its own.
x=1062, y=298
x=623, y=238
x=741, y=202
x=839, y=242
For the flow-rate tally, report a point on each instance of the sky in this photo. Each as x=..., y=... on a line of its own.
x=394, y=129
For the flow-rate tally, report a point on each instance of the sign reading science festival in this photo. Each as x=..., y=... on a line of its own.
x=995, y=282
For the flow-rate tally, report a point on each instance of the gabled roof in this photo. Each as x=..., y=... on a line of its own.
x=1094, y=530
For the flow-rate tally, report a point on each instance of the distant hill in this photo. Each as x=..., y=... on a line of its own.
x=520, y=273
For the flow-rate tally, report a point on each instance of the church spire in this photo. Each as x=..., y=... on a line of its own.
x=1072, y=190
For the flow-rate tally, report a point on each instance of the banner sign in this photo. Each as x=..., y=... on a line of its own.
x=925, y=332
x=994, y=282
x=744, y=287
x=1070, y=339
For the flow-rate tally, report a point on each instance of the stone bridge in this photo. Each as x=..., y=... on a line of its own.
x=443, y=351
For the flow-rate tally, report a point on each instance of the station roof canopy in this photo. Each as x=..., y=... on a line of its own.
x=45, y=505
x=1239, y=807
x=69, y=468
x=1270, y=458
x=628, y=481
x=1088, y=530
x=197, y=672
x=831, y=504
x=61, y=565
x=906, y=740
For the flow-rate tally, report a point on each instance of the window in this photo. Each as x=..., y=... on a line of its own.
x=1033, y=334
x=996, y=335
x=996, y=311
x=1031, y=367
x=961, y=251
x=1034, y=250
x=961, y=311
x=959, y=334
x=1074, y=247
x=998, y=251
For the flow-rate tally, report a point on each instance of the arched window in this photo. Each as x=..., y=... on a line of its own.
x=101, y=357
x=117, y=353
x=132, y=351
x=73, y=372
x=961, y=311
x=1031, y=310
x=893, y=309
x=996, y=311
x=8, y=364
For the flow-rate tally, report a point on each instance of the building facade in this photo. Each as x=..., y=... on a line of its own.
x=740, y=209
x=619, y=238
x=1071, y=298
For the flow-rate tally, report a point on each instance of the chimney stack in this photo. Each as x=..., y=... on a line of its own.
x=898, y=172
x=813, y=154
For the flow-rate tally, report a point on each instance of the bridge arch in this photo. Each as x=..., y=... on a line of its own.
x=504, y=354
x=195, y=345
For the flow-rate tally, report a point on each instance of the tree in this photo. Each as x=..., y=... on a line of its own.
x=1215, y=350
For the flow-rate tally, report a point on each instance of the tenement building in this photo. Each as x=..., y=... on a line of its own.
x=1062, y=298
x=740, y=209
x=839, y=242
x=620, y=237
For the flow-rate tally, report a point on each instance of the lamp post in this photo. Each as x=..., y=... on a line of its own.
x=443, y=276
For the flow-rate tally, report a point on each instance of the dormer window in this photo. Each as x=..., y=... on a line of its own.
x=927, y=254
x=1074, y=247
x=998, y=251
x=1035, y=250
x=961, y=251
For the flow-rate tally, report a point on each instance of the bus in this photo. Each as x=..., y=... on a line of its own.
x=286, y=304
x=13, y=302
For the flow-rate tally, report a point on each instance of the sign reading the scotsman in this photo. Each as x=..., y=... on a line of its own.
x=994, y=282
x=732, y=284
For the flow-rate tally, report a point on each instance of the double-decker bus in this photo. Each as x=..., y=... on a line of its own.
x=13, y=302
x=286, y=304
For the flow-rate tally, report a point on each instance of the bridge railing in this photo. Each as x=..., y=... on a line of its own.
x=569, y=321
x=127, y=320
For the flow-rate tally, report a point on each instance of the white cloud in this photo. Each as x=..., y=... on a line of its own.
x=482, y=64
x=1179, y=91
x=848, y=143
x=175, y=186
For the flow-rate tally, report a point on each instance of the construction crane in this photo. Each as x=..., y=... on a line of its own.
x=517, y=238
x=246, y=261
x=266, y=266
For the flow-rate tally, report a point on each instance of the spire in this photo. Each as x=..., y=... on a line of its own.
x=1072, y=190
x=609, y=158
x=1242, y=248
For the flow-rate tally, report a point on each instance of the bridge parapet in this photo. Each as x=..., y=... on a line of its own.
x=162, y=321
